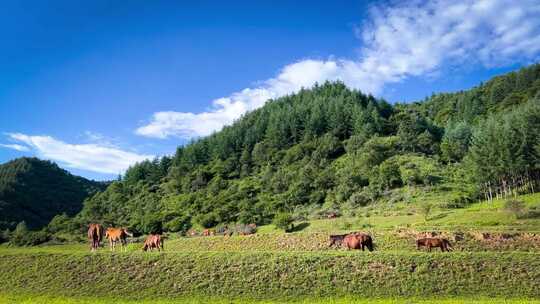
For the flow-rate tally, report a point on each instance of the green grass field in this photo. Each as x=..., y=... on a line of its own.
x=496, y=259
x=9, y=299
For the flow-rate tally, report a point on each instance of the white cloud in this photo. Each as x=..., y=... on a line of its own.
x=225, y=110
x=91, y=157
x=15, y=147
x=399, y=41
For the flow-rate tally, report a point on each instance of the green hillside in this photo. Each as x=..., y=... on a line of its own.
x=34, y=191
x=330, y=149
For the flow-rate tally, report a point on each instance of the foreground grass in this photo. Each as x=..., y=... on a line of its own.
x=274, y=276
x=28, y=299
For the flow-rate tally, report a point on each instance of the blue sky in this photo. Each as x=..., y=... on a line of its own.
x=98, y=85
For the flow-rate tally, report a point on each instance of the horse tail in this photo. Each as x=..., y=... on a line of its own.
x=90, y=232
x=99, y=232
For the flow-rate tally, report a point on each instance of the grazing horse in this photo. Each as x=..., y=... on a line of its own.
x=336, y=240
x=208, y=232
x=358, y=241
x=95, y=233
x=153, y=241
x=117, y=235
x=444, y=244
x=192, y=232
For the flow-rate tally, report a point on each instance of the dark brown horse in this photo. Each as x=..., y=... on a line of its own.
x=429, y=243
x=358, y=240
x=336, y=240
x=153, y=241
x=95, y=233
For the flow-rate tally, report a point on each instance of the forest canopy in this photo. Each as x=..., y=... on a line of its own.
x=330, y=148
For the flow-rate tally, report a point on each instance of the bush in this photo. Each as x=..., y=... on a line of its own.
x=62, y=223
x=457, y=202
x=283, y=221
x=179, y=224
x=326, y=213
x=359, y=199
x=515, y=207
x=532, y=213
x=247, y=217
x=208, y=220
x=21, y=236
x=4, y=236
x=425, y=210
x=245, y=229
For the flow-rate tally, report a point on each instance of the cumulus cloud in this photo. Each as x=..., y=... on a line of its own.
x=16, y=147
x=91, y=157
x=400, y=40
x=226, y=109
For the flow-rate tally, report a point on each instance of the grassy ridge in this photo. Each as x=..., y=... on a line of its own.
x=32, y=299
x=266, y=275
x=391, y=240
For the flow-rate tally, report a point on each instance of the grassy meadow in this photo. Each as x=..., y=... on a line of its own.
x=496, y=259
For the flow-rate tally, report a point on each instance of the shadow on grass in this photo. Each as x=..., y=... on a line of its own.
x=299, y=227
x=438, y=216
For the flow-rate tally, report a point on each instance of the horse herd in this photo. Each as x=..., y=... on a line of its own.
x=362, y=240
x=354, y=240
x=119, y=235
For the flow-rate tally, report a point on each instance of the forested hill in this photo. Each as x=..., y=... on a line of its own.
x=332, y=149
x=34, y=191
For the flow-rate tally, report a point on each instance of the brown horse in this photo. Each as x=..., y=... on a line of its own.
x=192, y=232
x=208, y=232
x=153, y=241
x=358, y=240
x=95, y=233
x=117, y=235
x=444, y=244
x=336, y=240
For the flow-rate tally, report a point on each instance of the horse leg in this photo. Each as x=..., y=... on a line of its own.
x=429, y=248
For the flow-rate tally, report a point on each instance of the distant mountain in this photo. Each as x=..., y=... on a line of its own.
x=34, y=191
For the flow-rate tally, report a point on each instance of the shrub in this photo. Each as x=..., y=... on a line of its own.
x=245, y=229
x=532, y=213
x=179, y=224
x=208, y=220
x=62, y=223
x=4, y=236
x=425, y=210
x=457, y=202
x=326, y=213
x=283, y=221
x=247, y=217
x=359, y=199
x=515, y=207
x=21, y=236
